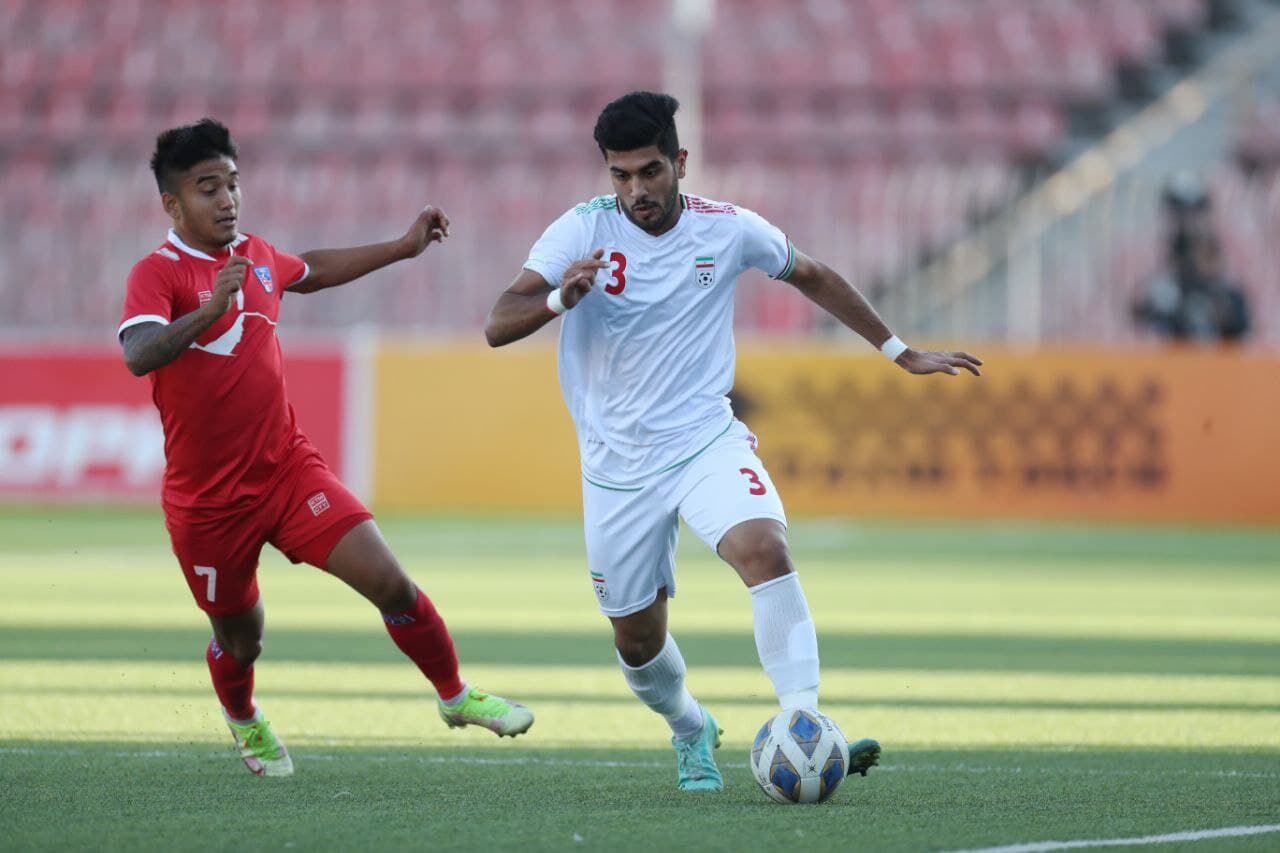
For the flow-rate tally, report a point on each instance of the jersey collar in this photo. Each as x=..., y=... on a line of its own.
x=177, y=243
x=644, y=235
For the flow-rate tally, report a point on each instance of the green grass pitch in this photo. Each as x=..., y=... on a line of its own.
x=1029, y=683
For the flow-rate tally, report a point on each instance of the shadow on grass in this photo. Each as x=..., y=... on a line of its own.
x=839, y=650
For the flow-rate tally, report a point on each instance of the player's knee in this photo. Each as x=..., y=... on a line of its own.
x=637, y=645
x=764, y=556
x=402, y=597
x=393, y=591
x=245, y=650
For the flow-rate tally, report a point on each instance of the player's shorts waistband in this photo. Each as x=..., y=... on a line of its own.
x=299, y=458
x=641, y=483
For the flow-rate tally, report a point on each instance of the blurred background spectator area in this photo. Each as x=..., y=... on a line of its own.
x=877, y=133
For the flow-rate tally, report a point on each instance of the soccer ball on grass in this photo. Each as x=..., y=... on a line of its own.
x=799, y=757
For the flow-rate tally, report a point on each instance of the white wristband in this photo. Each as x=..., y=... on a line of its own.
x=554, y=305
x=893, y=348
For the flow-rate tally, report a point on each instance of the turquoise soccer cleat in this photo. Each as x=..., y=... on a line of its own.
x=503, y=718
x=695, y=765
x=863, y=755
x=263, y=753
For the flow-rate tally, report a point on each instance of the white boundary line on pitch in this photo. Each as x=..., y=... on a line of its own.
x=302, y=754
x=1170, y=838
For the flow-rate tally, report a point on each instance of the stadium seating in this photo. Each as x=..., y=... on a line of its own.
x=873, y=131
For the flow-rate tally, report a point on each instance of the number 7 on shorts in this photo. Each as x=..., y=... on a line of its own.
x=212, y=574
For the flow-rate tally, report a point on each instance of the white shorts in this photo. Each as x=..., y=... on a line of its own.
x=631, y=533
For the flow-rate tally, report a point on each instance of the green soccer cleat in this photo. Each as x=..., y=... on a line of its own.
x=263, y=753
x=496, y=714
x=863, y=755
x=695, y=765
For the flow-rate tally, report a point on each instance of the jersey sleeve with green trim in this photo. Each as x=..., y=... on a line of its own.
x=564, y=242
x=764, y=246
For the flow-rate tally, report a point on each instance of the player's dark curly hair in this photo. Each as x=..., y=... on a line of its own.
x=180, y=148
x=637, y=120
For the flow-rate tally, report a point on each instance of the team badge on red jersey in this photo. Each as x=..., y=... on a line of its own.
x=264, y=276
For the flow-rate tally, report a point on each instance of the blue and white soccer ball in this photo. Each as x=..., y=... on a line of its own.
x=800, y=757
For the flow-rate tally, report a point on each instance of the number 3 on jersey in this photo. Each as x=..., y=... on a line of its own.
x=617, y=278
x=757, y=487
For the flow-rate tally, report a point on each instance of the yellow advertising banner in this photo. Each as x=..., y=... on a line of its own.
x=461, y=427
x=1147, y=434
x=1167, y=435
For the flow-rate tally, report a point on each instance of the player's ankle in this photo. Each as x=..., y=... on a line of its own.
x=455, y=699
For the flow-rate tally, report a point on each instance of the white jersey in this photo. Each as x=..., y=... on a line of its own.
x=647, y=357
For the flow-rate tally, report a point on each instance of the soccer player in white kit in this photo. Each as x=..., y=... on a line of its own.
x=644, y=280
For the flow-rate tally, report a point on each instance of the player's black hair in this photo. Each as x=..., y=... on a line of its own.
x=637, y=120
x=180, y=148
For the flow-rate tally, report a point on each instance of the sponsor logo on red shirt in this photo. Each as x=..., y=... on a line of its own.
x=318, y=503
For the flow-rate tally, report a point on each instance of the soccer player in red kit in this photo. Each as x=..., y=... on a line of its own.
x=199, y=317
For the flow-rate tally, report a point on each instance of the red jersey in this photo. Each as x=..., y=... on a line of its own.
x=227, y=422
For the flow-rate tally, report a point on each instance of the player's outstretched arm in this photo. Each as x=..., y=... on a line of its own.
x=332, y=267
x=148, y=346
x=828, y=289
x=531, y=302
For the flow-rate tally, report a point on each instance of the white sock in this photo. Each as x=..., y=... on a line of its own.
x=660, y=685
x=787, y=641
x=257, y=715
x=455, y=701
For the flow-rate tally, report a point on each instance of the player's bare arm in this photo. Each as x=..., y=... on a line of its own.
x=522, y=309
x=149, y=346
x=830, y=291
x=332, y=267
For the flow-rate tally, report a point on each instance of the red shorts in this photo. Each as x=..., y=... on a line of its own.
x=304, y=515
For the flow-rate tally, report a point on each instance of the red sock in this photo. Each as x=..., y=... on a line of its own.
x=232, y=682
x=421, y=634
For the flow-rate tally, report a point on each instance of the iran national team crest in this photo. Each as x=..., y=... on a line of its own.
x=705, y=267
x=264, y=276
x=601, y=588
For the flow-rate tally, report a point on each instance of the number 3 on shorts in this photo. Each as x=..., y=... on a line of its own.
x=757, y=487
x=212, y=574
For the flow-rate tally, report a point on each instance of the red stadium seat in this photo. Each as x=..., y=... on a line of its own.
x=873, y=129
x=128, y=117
